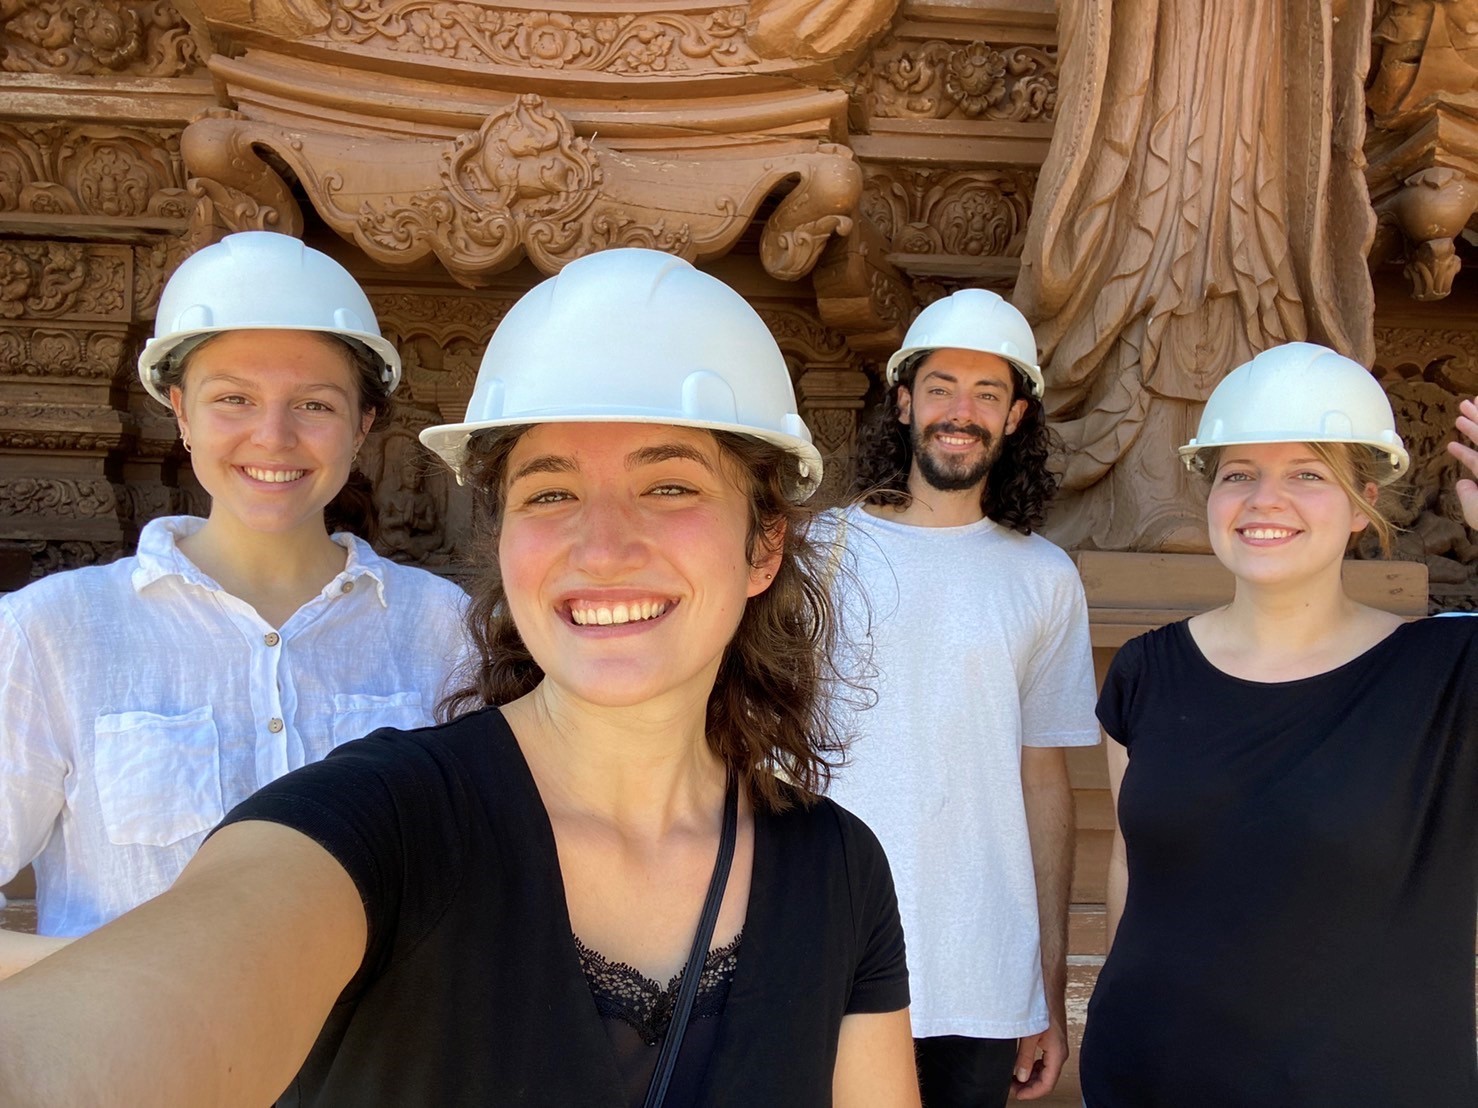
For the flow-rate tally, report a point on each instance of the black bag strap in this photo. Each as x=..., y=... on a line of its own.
x=688, y=992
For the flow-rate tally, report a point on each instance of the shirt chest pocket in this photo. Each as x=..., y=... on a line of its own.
x=357, y=714
x=158, y=777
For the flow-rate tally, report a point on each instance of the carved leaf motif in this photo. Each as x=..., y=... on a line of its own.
x=944, y=80
x=625, y=43
x=976, y=212
x=91, y=169
x=96, y=37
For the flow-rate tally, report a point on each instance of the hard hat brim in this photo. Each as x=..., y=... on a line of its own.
x=1032, y=374
x=1395, y=454
x=158, y=350
x=448, y=441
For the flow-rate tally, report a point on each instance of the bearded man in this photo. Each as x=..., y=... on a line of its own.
x=973, y=631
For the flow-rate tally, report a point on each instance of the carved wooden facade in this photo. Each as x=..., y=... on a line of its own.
x=840, y=163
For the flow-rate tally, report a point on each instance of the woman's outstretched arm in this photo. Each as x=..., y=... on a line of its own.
x=210, y=994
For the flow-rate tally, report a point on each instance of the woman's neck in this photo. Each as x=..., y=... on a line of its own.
x=1286, y=632
x=276, y=574
x=647, y=769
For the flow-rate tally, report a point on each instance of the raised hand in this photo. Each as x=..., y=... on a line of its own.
x=1467, y=487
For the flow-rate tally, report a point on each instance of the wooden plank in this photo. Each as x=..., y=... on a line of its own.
x=1165, y=586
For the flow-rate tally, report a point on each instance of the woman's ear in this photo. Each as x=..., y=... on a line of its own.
x=177, y=402
x=1370, y=493
x=772, y=549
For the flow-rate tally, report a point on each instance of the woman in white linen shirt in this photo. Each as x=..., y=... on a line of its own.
x=143, y=699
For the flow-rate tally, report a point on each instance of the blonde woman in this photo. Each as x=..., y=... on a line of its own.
x=1292, y=891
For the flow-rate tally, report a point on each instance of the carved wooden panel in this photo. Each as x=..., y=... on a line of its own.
x=96, y=37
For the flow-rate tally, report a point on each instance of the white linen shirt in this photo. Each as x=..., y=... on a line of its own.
x=140, y=702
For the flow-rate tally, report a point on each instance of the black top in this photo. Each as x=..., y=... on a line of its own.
x=1299, y=925
x=471, y=989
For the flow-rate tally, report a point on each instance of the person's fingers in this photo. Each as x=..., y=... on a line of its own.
x=1045, y=1070
x=1026, y=1058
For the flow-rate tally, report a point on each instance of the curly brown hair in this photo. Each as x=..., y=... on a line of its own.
x=1019, y=487
x=767, y=715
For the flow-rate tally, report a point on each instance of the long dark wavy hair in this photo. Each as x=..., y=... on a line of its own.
x=767, y=714
x=353, y=507
x=1019, y=487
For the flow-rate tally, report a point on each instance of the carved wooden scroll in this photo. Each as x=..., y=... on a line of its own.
x=525, y=185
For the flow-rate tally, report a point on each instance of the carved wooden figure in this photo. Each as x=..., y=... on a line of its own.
x=1202, y=201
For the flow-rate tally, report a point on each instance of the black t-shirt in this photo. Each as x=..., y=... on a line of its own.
x=1299, y=925
x=471, y=990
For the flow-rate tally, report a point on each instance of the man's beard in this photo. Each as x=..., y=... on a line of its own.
x=951, y=474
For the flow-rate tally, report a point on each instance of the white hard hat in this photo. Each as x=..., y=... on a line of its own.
x=635, y=336
x=256, y=281
x=1299, y=392
x=973, y=319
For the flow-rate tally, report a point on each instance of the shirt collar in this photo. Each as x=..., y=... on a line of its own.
x=159, y=556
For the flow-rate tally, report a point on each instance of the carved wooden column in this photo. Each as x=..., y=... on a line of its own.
x=93, y=202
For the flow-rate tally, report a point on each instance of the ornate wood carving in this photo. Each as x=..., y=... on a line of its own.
x=1423, y=143
x=1187, y=218
x=61, y=171
x=699, y=37
x=144, y=38
x=961, y=80
x=525, y=184
x=1426, y=373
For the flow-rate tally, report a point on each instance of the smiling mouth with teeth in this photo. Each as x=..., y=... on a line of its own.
x=604, y=615
x=1266, y=532
x=273, y=476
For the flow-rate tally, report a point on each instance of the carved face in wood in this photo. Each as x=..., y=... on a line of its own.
x=959, y=408
x=1278, y=513
x=624, y=551
x=273, y=420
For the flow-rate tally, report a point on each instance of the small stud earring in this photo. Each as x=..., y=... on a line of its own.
x=768, y=576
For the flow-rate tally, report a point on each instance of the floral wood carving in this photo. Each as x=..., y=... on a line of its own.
x=704, y=37
x=58, y=498
x=1425, y=374
x=142, y=38
x=59, y=352
x=524, y=184
x=53, y=557
x=951, y=80
x=974, y=212
x=51, y=280
x=93, y=170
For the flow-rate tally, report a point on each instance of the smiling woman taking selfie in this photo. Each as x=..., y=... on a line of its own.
x=609, y=880
x=1292, y=890
x=144, y=699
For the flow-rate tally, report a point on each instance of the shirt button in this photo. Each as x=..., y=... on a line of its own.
x=271, y=638
x=274, y=725
x=347, y=586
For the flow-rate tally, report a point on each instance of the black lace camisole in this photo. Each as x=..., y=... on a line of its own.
x=637, y=1011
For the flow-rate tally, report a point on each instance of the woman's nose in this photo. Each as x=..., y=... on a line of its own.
x=609, y=539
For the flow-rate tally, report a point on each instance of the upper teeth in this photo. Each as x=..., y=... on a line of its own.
x=618, y=613
x=1266, y=532
x=276, y=475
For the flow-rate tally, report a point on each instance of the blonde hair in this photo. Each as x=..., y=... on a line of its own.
x=1355, y=468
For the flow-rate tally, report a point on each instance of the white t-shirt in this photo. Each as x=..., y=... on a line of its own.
x=975, y=639
x=140, y=702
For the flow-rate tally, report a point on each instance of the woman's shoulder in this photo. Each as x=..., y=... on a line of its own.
x=54, y=599
x=830, y=832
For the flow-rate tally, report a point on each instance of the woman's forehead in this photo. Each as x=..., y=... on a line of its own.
x=625, y=443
